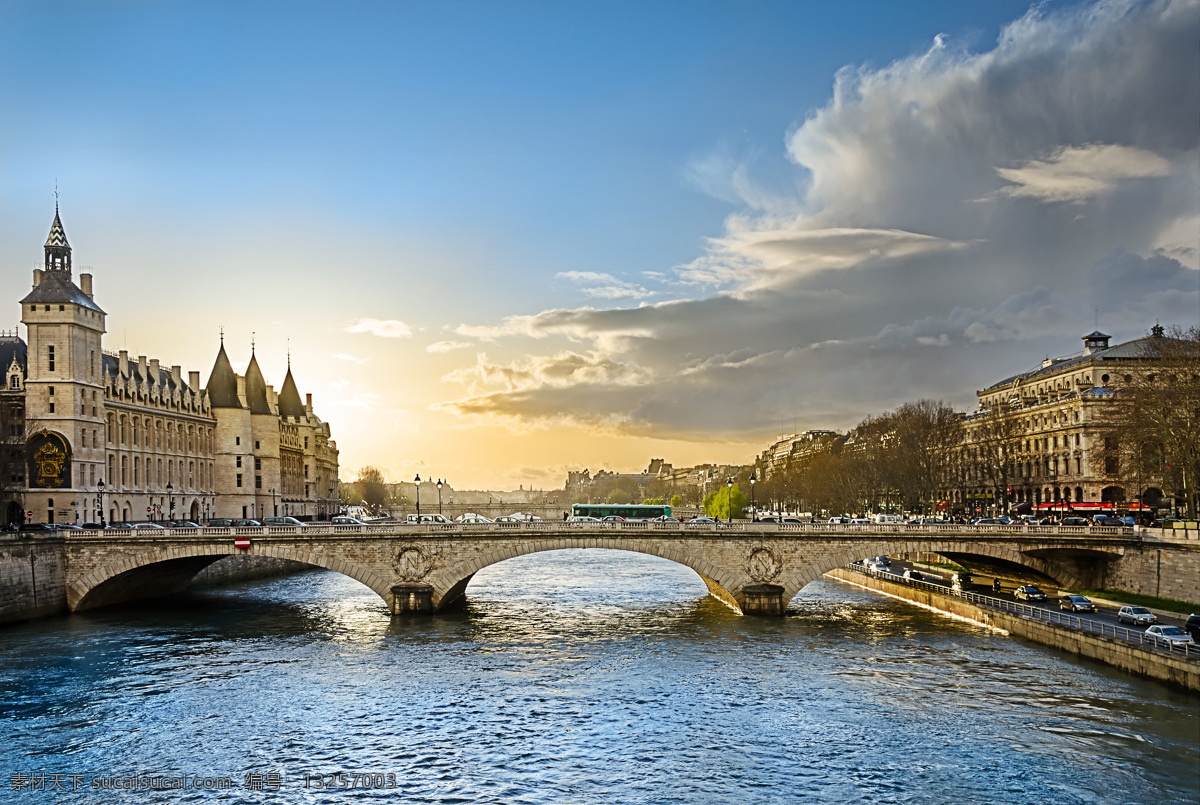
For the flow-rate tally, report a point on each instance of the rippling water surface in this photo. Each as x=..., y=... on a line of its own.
x=577, y=677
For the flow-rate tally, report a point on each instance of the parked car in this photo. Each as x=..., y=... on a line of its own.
x=246, y=524
x=148, y=526
x=701, y=520
x=838, y=520
x=1076, y=603
x=343, y=519
x=914, y=574
x=184, y=524
x=1138, y=616
x=1193, y=626
x=1027, y=592
x=1169, y=634
x=92, y=526
x=119, y=525
x=425, y=519
x=292, y=521
x=220, y=523
x=1074, y=521
x=36, y=527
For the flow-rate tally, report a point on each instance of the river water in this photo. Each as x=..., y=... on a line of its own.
x=571, y=677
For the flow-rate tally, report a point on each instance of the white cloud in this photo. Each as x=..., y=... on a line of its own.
x=605, y=286
x=341, y=356
x=448, y=346
x=1077, y=174
x=384, y=328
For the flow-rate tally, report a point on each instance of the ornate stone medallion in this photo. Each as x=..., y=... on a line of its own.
x=411, y=563
x=763, y=565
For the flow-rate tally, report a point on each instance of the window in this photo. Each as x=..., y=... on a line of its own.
x=256, y=445
x=305, y=470
x=239, y=461
x=239, y=480
x=52, y=408
x=50, y=353
x=257, y=464
x=237, y=439
x=258, y=482
x=305, y=442
x=62, y=307
x=51, y=387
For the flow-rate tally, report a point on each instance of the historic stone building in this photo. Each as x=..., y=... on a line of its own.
x=93, y=436
x=1038, y=439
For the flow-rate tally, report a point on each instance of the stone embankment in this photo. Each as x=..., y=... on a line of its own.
x=1144, y=661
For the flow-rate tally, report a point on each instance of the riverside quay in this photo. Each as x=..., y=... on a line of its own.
x=754, y=568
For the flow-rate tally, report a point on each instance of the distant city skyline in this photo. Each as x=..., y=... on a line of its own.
x=506, y=241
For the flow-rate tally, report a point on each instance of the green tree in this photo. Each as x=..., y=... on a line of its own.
x=619, y=497
x=717, y=504
x=676, y=501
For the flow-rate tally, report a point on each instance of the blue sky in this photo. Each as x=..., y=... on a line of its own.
x=410, y=191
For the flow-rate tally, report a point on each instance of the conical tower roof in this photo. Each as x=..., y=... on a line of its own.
x=222, y=383
x=58, y=235
x=289, y=398
x=256, y=388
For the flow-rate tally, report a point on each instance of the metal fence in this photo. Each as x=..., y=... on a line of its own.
x=1150, y=642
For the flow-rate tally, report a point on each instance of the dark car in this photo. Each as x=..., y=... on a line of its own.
x=220, y=523
x=1193, y=626
x=93, y=526
x=246, y=524
x=1074, y=521
x=35, y=527
x=961, y=581
x=1027, y=592
x=1076, y=603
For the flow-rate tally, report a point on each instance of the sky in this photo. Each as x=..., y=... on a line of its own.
x=504, y=240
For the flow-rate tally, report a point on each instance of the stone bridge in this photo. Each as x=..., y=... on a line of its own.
x=755, y=568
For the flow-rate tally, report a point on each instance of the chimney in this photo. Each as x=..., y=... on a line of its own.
x=37, y=277
x=143, y=369
x=308, y=404
x=85, y=284
x=177, y=375
x=123, y=363
x=154, y=371
x=194, y=381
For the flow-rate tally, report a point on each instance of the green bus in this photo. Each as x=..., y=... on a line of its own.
x=627, y=511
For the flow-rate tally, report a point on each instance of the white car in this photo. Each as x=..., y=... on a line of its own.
x=1169, y=634
x=1138, y=616
x=425, y=519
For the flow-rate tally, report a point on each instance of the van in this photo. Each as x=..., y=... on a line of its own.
x=424, y=519
x=281, y=521
x=889, y=519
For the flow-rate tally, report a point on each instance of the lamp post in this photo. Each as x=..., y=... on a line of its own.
x=729, y=497
x=753, y=511
x=171, y=496
x=417, y=481
x=439, y=486
x=100, y=499
x=274, y=502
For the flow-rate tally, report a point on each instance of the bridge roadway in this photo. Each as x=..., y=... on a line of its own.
x=755, y=568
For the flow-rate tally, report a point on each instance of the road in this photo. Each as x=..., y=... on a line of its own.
x=983, y=586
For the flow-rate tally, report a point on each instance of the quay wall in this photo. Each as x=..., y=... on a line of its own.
x=32, y=576
x=1166, y=566
x=231, y=569
x=1145, y=662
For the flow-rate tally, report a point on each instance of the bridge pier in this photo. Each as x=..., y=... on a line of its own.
x=763, y=599
x=412, y=599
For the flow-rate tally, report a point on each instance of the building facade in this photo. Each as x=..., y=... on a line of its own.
x=95, y=436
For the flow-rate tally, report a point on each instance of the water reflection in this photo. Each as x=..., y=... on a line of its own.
x=585, y=676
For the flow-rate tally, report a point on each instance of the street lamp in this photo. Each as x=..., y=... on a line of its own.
x=171, y=495
x=753, y=511
x=274, y=502
x=417, y=481
x=729, y=498
x=100, y=500
x=439, y=486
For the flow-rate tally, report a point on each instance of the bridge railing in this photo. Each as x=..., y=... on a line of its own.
x=1149, y=642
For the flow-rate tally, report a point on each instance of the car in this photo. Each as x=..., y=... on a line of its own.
x=961, y=581
x=184, y=524
x=1027, y=592
x=914, y=574
x=858, y=521
x=1074, y=521
x=1076, y=603
x=219, y=523
x=665, y=519
x=148, y=526
x=883, y=560
x=92, y=526
x=612, y=518
x=277, y=521
x=1138, y=616
x=1172, y=635
x=36, y=527
x=1193, y=626
x=767, y=520
x=990, y=521
x=343, y=519
x=1105, y=519
x=582, y=518
x=472, y=517
x=791, y=520
x=246, y=524
x=838, y=520
x=69, y=527
x=878, y=568
x=119, y=525
x=701, y=520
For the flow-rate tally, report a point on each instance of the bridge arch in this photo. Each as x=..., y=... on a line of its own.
x=450, y=582
x=166, y=571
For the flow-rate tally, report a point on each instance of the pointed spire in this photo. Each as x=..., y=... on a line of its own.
x=58, y=250
x=222, y=382
x=289, y=397
x=256, y=387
